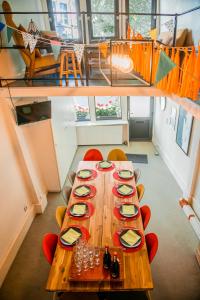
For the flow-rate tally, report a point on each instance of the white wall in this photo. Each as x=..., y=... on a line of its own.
x=164, y=138
x=17, y=193
x=64, y=132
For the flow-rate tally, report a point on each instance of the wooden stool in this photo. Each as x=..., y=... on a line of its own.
x=67, y=68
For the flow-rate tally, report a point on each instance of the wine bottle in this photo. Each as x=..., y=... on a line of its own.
x=115, y=266
x=106, y=258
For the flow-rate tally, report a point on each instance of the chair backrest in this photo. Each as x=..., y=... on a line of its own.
x=71, y=176
x=66, y=192
x=146, y=215
x=152, y=245
x=49, y=244
x=137, y=173
x=60, y=214
x=93, y=154
x=18, y=39
x=140, y=191
x=117, y=155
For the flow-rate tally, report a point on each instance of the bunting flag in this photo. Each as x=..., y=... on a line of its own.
x=29, y=40
x=170, y=25
x=78, y=49
x=56, y=43
x=165, y=65
x=32, y=43
x=153, y=34
x=103, y=49
x=56, y=50
x=9, y=33
x=1, y=26
x=25, y=37
x=33, y=29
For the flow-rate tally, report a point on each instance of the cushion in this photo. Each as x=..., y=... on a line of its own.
x=167, y=37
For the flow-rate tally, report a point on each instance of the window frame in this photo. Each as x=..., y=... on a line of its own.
x=52, y=21
x=88, y=120
x=116, y=22
x=153, y=10
x=107, y=118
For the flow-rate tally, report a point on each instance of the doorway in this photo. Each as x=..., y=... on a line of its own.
x=140, y=117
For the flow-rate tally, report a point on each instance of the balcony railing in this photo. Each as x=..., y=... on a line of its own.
x=96, y=68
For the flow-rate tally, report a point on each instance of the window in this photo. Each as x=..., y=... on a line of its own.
x=108, y=107
x=141, y=24
x=67, y=26
x=81, y=105
x=102, y=25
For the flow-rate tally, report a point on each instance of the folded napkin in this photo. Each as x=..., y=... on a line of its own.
x=79, y=209
x=82, y=190
x=71, y=236
x=125, y=174
x=125, y=189
x=105, y=164
x=128, y=209
x=84, y=173
x=130, y=237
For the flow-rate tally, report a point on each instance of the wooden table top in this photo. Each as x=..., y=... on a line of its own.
x=102, y=226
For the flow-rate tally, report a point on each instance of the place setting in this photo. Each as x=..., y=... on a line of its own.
x=81, y=210
x=123, y=175
x=71, y=235
x=86, y=174
x=105, y=165
x=126, y=211
x=84, y=192
x=123, y=190
x=130, y=239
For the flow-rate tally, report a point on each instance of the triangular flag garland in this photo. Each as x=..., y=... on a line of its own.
x=56, y=50
x=25, y=36
x=78, y=49
x=1, y=26
x=165, y=65
x=32, y=43
x=9, y=33
x=170, y=25
x=29, y=40
x=33, y=29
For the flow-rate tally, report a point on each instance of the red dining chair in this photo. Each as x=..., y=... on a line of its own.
x=146, y=215
x=152, y=245
x=92, y=155
x=49, y=244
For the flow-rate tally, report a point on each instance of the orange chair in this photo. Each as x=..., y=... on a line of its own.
x=117, y=155
x=146, y=215
x=140, y=191
x=60, y=214
x=152, y=245
x=49, y=244
x=92, y=155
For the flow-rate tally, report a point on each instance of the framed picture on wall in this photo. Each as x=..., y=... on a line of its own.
x=172, y=118
x=162, y=103
x=184, y=129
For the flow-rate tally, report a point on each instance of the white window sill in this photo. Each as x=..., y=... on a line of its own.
x=101, y=123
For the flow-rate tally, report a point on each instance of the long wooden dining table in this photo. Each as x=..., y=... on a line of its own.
x=102, y=226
